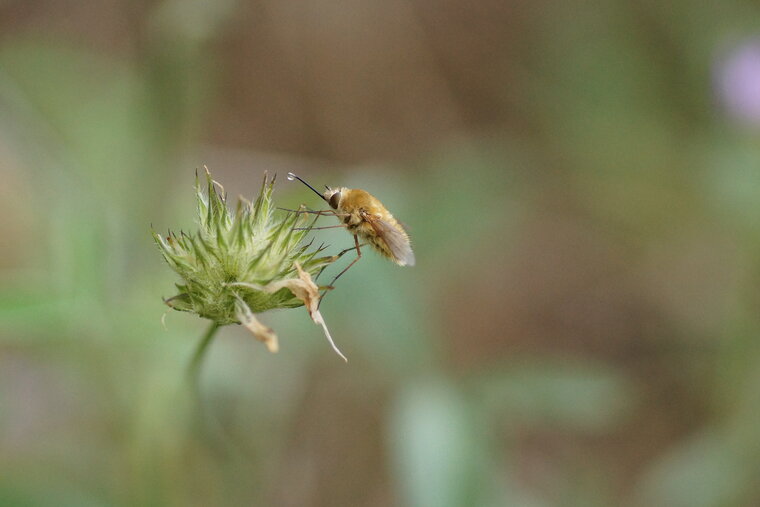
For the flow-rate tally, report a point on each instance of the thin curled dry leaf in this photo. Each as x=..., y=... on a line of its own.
x=260, y=331
x=307, y=291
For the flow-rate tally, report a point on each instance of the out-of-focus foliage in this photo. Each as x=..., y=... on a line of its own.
x=580, y=183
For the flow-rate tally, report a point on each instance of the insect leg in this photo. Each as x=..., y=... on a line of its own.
x=342, y=252
x=319, y=212
x=358, y=256
x=318, y=228
x=357, y=247
x=324, y=212
x=338, y=256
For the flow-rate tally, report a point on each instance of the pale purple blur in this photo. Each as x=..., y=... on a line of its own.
x=738, y=82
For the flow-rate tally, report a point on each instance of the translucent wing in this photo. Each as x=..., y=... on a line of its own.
x=397, y=241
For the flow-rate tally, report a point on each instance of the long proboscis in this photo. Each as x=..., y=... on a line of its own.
x=292, y=175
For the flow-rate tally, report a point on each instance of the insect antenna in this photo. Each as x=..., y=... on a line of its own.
x=292, y=176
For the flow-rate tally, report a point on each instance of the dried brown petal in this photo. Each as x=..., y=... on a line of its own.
x=302, y=287
x=260, y=331
x=307, y=291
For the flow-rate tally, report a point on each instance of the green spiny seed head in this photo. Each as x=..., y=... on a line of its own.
x=227, y=265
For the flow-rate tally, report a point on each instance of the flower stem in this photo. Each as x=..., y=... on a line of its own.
x=194, y=368
x=207, y=423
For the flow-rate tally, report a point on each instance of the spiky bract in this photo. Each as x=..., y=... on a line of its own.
x=232, y=255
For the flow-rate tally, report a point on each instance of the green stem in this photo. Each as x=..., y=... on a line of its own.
x=209, y=426
x=194, y=368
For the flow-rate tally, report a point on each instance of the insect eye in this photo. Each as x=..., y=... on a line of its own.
x=334, y=200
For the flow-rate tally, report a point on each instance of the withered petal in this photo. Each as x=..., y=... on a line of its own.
x=260, y=331
x=307, y=291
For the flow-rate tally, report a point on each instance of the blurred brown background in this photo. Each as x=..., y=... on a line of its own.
x=580, y=182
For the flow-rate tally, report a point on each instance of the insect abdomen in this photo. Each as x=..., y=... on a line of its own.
x=368, y=219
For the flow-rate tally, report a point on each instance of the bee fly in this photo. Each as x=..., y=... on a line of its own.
x=366, y=218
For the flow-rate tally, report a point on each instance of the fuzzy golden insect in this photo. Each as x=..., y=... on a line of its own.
x=365, y=217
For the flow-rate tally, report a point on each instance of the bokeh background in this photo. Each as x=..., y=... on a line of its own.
x=581, y=181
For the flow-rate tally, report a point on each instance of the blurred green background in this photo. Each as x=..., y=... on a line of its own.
x=581, y=181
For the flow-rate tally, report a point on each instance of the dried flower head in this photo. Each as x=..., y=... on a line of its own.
x=240, y=264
